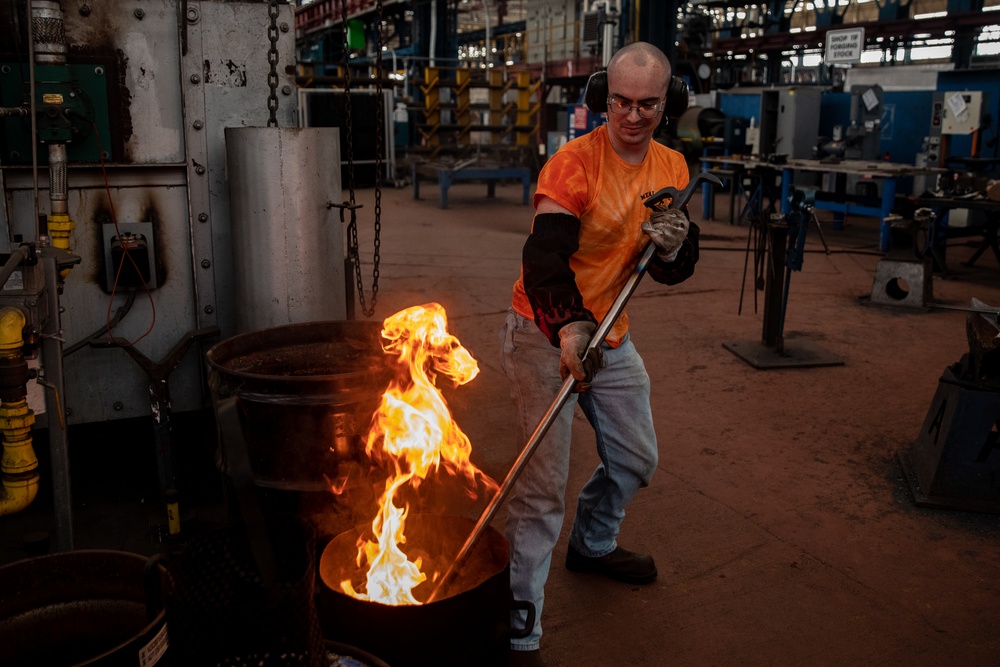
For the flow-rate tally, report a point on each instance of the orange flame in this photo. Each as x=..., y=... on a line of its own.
x=413, y=429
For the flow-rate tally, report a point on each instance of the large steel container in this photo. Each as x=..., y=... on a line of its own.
x=288, y=244
x=307, y=393
x=85, y=607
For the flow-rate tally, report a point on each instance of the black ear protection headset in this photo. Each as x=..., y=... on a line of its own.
x=596, y=95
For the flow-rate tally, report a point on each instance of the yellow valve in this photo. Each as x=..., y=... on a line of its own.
x=60, y=227
x=12, y=323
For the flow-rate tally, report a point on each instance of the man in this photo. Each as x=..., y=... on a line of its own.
x=589, y=230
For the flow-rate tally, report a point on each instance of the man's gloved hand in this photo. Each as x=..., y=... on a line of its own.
x=667, y=228
x=573, y=340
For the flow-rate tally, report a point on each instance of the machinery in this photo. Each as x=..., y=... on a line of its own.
x=860, y=140
x=863, y=136
x=156, y=194
x=952, y=462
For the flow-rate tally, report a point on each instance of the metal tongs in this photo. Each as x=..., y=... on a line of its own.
x=679, y=199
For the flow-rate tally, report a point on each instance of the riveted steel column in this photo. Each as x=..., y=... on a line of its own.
x=196, y=158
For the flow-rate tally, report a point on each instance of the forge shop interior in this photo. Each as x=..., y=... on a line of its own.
x=257, y=256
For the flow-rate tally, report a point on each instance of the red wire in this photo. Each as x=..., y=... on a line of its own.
x=126, y=253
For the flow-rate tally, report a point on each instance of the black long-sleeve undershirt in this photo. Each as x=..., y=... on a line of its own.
x=550, y=283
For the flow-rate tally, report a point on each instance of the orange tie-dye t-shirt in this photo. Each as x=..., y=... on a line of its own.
x=606, y=193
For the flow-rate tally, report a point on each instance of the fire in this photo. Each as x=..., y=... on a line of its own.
x=413, y=431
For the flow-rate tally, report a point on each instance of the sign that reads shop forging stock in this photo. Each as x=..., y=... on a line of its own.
x=844, y=46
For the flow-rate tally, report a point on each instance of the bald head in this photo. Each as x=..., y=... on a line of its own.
x=640, y=56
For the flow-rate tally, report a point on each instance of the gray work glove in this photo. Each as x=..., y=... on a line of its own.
x=667, y=228
x=573, y=340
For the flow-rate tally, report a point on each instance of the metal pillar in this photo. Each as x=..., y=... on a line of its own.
x=658, y=26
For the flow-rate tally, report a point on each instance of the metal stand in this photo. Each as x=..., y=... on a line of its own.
x=771, y=352
x=158, y=374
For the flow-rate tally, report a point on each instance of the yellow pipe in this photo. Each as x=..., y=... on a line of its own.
x=60, y=226
x=18, y=465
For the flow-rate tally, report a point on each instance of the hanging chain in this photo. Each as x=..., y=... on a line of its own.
x=379, y=145
x=352, y=227
x=349, y=126
x=272, y=59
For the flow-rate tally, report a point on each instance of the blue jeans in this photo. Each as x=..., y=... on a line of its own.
x=617, y=407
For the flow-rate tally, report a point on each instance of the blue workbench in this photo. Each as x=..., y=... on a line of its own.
x=446, y=176
x=886, y=172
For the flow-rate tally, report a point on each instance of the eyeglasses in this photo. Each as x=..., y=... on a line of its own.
x=623, y=108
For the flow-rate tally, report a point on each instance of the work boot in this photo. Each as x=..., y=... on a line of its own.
x=526, y=658
x=621, y=565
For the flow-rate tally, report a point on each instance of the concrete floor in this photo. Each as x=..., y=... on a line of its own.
x=780, y=519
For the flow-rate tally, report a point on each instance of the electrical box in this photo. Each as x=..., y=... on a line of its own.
x=129, y=256
x=735, y=134
x=797, y=126
x=961, y=112
x=74, y=107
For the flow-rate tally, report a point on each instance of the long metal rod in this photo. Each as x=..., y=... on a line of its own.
x=34, y=123
x=546, y=423
x=52, y=362
x=984, y=311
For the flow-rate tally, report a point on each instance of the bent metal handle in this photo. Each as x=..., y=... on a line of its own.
x=679, y=200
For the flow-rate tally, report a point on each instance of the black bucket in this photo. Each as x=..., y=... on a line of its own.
x=306, y=394
x=469, y=624
x=85, y=607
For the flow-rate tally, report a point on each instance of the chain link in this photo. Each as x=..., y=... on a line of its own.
x=272, y=59
x=352, y=227
x=379, y=146
x=349, y=126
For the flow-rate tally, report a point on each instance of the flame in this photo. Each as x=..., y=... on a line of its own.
x=413, y=431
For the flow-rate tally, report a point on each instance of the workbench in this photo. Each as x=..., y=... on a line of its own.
x=988, y=230
x=490, y=174
x=842, y=204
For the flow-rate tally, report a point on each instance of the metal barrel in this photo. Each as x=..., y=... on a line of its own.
x=306, y=394
x=88, y=607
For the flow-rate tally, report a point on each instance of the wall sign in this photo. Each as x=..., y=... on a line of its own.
x=844, y=46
